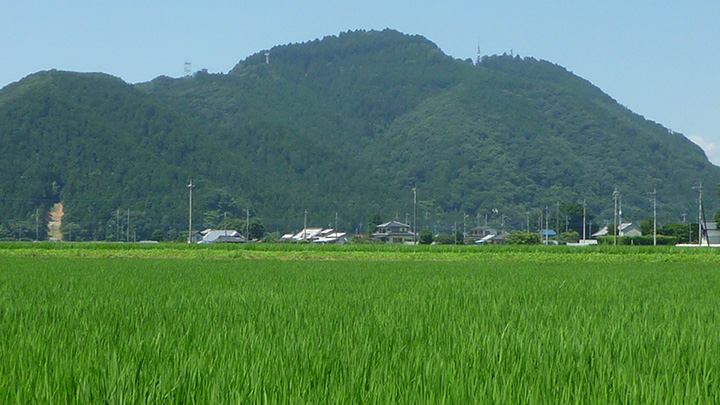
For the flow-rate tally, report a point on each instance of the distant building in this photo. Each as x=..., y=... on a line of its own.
x=492, y=239
x=317, y=235
x=218, y=236
x=480, y=232
x=394, y=232
x=713, y=234
x=625, y=229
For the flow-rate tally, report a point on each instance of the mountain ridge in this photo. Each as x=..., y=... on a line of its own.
x=346, y=124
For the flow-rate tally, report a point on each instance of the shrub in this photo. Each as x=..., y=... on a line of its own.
x=522, y=238
x=426, y=237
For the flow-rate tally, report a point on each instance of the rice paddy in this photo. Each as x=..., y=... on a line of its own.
x=500, y=326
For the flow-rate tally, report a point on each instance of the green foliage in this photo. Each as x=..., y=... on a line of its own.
x=459, y=237
x=646, y=226
x=158, y=235
x=272, y=237
x=522, y=238
x=155, y=324
x=346, y=124
x=426, y=237
x=684, y=233
x=375, y=220
x=445, y=239
x=645, y=240
x=257, y=229
x=612, y=230
x=569, y=237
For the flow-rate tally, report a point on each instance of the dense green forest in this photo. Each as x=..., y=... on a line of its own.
x=348, y=124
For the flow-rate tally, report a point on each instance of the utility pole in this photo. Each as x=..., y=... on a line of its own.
x=620, y=232
x=336, y=221
x=547, y=233
x=305, y=227
x=464, y=228
x=654, y=194
x=190, y=188
x=540, y=222
x=527, y=221
x=557, y=217
x=584, y=209
x=127, y=231
x=699, y=189
x=247, y=223
x=684, y=219
x=37, y=226
x=117, y=225
x=616, y=194
x=415, y=215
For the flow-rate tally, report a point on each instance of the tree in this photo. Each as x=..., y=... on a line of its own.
x=272, y=237
x=646, y=226
x=157, y=235
x=522, y=238
x=685, y=232
x=444, y=239
x=611, y=230
x=716, y=218
x=257, y=229
x=459, y=238
x=426, y=237
x=569, y=237
x=375, y=220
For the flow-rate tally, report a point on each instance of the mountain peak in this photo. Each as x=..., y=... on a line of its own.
x=348, y=48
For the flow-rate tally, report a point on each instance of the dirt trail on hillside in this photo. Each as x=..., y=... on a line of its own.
x=56, y=214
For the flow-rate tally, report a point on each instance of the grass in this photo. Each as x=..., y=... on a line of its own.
x=448, y=253
x=309, y=331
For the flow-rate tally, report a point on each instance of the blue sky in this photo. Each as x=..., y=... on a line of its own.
x=660, y=59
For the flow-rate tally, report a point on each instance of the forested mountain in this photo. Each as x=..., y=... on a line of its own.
x=347, y=124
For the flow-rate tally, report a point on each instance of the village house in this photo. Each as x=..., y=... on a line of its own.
x=218, y=236
x=317, y=235
x=394, y=232
x=625, y=229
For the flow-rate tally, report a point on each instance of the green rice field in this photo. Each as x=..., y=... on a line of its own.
x=90, y=324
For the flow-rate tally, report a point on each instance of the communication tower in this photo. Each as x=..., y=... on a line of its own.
x=188, y=68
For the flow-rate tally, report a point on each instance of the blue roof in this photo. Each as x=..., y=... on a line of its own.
x=548, y=232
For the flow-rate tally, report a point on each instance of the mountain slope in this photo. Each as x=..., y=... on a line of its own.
x=95, y=143
x=523, y=141
x=347, y=124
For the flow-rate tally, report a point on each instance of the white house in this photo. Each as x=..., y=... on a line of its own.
x=317, y=235
x=625, y=229
x=394, y=232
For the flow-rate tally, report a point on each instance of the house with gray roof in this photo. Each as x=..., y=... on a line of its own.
x=394, y=232
x=220, y=236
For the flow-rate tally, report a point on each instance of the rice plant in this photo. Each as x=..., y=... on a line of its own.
x=407, y=331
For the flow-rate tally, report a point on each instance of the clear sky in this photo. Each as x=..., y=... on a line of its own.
x=661, y=59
